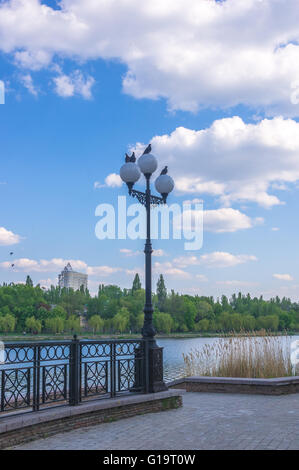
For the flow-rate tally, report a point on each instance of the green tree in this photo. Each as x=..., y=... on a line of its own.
x=268, y=322
x=139, y=322
x=57, y=312
x=136, y=283
x=73, y=324
x=224, y=322
x=96, y=323
x=29, y=282
x=33, y=325
x=236, y=321
x=55, y=324
x=163, y=322
x=202, y=325
x=204, y=310
x=161, y=293
x=121, y=321
x=248, y=322
x=42, y=314
x=284, y=321
x=7, y=323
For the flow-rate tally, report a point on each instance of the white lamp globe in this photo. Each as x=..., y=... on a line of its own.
x=164, y=184
x=147, y=163
x=130, y=172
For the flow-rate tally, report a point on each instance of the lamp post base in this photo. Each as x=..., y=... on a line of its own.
x=155, y=371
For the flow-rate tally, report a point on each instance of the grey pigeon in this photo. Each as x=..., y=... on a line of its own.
x=133, y=158
x=128, y=159
x=148, y=149
x=164, y=171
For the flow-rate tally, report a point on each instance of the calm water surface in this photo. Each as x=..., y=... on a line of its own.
x=173, y=353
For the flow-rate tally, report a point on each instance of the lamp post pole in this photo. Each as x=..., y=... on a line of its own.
x=148, y=330
x=130, y=173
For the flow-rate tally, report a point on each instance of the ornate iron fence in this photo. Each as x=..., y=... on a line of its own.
x=37, y=375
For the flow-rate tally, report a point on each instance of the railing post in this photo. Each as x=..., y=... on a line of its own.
x=112, y=370
x=2, y=389
x=146, y=366
x=36, y=377
x=75, y=385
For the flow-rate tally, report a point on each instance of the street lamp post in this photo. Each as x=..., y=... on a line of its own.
x=130, y=173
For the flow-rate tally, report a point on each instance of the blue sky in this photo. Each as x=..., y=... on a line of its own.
x=80, y=92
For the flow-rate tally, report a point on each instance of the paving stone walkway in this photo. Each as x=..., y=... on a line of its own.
x=206, y=421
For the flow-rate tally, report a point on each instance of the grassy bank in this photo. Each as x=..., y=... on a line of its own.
x=9, y=337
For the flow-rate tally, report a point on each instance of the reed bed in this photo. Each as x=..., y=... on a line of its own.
x=245, y=354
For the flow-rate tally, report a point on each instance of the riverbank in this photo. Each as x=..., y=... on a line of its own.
x=11, y=337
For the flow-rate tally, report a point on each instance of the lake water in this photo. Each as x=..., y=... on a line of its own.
x=175, y=347
x=173, y=353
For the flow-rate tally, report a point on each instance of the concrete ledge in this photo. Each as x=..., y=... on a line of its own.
x=25, y=427
x=278, y=386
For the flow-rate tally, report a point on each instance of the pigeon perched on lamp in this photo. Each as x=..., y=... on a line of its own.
x=131, y=159
x=148, y=149
x=164, y=171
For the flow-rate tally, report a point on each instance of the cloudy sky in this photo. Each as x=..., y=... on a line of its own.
x=213, y=85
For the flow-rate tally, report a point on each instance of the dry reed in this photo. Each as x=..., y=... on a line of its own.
x=252, y=354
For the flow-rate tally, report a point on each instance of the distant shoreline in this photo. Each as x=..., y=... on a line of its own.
x=45, y=337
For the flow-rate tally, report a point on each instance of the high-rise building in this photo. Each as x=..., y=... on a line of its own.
x=71, y=279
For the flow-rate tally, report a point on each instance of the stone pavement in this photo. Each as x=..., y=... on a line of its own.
x=206, y=421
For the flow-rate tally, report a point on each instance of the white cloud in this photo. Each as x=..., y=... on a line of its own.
x=226, y=220
x=8, y=238
x=185, y=261
x=127, y=252
x=201, y=277
x=69, y=85
x=220, y=259
x=169, y=269
x=102, y=270
x=232, y=160
x=216, y=259
x=275, y=229
x=57, y=264
x=47, y=282
x=195, y=53
x=132, y=272
x=28, y=83
x=32, y=59
x=112, y=181
x=64, y=86
x=159, y=253
x=98, y=185
x=52, y=265
x=236, y=283
x=220, y=220
x=283, y=277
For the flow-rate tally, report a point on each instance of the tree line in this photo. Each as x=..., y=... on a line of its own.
x=29, y=308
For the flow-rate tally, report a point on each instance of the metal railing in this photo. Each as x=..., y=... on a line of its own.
x=37, y=375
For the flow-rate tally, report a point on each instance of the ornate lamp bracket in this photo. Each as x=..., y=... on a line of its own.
x=154, y=200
